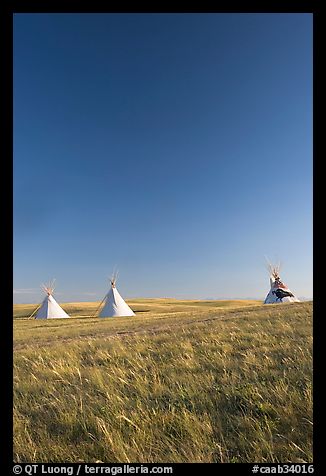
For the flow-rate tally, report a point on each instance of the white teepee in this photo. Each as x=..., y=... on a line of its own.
x=49, y=308
x=279, y=292
x=114, y=305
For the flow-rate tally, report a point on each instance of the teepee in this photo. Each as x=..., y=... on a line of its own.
x=114, y=305
x=49, y=308
x=279, y=292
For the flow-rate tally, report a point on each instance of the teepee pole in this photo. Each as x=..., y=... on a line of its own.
x=38, y=307
x=100, y=305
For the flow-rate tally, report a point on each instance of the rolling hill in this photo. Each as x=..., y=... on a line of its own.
x=182, y=381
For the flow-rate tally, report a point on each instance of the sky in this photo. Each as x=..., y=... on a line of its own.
x=176, y=148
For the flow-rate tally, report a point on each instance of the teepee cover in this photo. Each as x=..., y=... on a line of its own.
x=279, y=292
x=114, y=305
x=50, y=309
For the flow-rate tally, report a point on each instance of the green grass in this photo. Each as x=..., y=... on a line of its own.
x=179, y=382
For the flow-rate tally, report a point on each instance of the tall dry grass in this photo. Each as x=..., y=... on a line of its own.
x=231, y=386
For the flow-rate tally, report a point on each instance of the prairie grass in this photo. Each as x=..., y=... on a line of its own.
x=202, y=384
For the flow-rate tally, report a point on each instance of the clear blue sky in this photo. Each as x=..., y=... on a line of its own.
x=177, y=147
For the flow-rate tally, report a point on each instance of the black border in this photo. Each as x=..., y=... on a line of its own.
x=8, y=9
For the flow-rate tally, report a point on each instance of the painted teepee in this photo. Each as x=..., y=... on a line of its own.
x=114, y=305
x=279, y=292
x=49, y=308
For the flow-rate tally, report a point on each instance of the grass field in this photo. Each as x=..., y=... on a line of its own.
x=182, y=381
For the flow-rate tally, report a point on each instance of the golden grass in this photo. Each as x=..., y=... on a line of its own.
x=184, y=383
x=140, y=306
